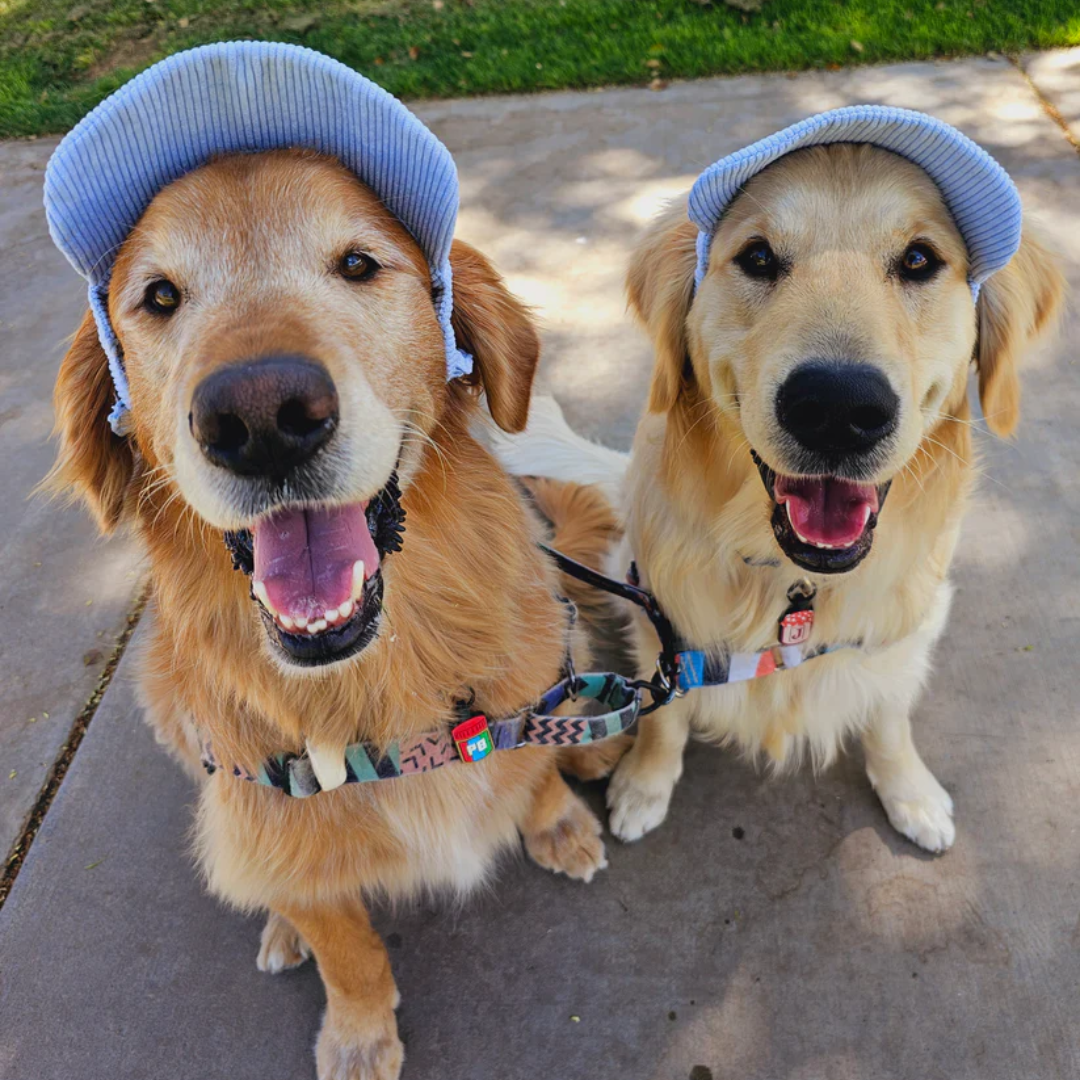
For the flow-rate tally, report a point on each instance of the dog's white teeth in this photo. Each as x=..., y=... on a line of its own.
x=286, y=622
x=346, y=609
x=358, y=579
x=331, y=615
x=317, y=627
x=259, y=589
x=301, y=622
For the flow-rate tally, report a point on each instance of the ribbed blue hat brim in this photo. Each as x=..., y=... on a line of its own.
x=980, y=195
x=244, y=96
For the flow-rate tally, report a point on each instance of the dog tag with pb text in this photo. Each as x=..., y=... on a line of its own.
x=798, y=618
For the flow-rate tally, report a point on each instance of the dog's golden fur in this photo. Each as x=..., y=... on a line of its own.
x=470, y=606
x=697, y=517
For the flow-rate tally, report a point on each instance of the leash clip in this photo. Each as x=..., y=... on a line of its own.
x=663, y=687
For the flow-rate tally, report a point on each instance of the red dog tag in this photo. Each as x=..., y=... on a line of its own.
x=795, y=626
x=473, y=739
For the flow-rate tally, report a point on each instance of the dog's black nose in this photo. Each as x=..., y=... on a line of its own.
x=264, y=417
x=837, y=408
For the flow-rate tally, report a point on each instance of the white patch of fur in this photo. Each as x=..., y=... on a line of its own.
x=549, y=447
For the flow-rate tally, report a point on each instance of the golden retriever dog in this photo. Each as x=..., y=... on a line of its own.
x=836, y=298
x=285, y=366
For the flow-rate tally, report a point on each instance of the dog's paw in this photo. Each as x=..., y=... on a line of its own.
x=638, y=798
x=344, y=1054
x=919, y=808
x=281, y=946
x=572, y=846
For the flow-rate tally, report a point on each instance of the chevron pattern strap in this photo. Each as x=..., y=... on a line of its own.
x=292, y=774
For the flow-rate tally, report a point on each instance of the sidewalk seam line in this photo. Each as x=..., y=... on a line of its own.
x=1048, y=106
x=21, y=848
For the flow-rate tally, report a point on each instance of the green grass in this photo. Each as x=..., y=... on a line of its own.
x=58, y=58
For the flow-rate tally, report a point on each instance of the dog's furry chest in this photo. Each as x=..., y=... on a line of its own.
x=434, y=833
x=807, y=712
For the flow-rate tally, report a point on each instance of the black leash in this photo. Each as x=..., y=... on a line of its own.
x=663, y=685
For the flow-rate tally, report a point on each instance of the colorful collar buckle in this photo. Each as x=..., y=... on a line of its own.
x=473, y=739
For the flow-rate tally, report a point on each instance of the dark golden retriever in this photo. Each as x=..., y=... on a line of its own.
x=285, y=364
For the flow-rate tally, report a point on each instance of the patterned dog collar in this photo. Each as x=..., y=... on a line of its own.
x=471, y=741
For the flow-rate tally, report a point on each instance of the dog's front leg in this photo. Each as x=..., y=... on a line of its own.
x=359, y=1037
x=640, y=791
x=917, y=805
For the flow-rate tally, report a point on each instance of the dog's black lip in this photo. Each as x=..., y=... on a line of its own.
x=806, y=556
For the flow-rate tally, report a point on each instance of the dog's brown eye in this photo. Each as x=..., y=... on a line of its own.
x=758, y=260
x=162, y=297
x=356, y=266
x=920, y=262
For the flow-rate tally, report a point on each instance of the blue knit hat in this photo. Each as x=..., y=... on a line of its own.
x=981, y=197
x=233, y=97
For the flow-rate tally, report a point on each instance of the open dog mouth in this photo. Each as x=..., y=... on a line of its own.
x=316, y=574
x=824, y=524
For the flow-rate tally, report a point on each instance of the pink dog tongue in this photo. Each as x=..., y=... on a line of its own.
x=305, y=558
x=825, y=510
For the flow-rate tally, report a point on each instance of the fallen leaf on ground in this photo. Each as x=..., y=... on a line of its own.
x=414, y=52
x=857, y=45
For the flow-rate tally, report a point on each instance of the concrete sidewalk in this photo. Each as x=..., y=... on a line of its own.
x=771, y=929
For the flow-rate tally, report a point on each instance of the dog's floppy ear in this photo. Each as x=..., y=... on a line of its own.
x=660, y=288
x=1015, y=306
x=495, y=326
x=91, y=463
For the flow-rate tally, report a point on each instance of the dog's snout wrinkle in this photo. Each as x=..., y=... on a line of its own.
x=266, y=417
x=837, y=408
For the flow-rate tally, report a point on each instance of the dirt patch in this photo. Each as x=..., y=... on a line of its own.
x=129, y=54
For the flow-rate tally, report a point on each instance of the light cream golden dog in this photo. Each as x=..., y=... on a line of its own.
x=284, y=360
x=838, y=258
